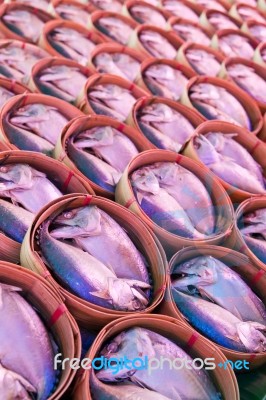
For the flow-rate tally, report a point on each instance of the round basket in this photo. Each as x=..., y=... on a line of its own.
x=8, y=32
x=126, y=10
x=182, y=58
x=258, y=69
x=149, y=62
x=135, y=41
x=97, y=15
x=254, y=146
x=241, y=264
x=66, y=109
x=171, y=242
x=104, y=79
x=206, y=23
x=46, y=43
x=225, y=32
x=192, y=116
x=28, y=49
x=88, y=314
x=85, y=7
x=81, y=124
x=54, y=315
x=187, y=338
x=245, y=100
x=64, y=178
x=35, y=83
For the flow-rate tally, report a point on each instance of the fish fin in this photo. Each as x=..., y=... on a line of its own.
x=116, y=177
x=8, y=288
x=140, y=196
x=237, y=313
x=205, y=295
x=135, y=283
x=111, y=268
x=234, y=338
x=102, y=295
x=137, y=382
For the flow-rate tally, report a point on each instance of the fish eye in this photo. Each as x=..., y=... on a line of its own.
x=68, y=215
x=112, y=348
x=3, y=169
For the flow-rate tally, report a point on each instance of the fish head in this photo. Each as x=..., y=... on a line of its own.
x=29, y=113
x=256, y=217
x=158, y=112
x=161, y=71
x=107, y=92
x=145, y=180
x=128, y=295
x=99, y=136
x=252, y=335
x=16, y=176
x=200, y=271
x=134, y=342
x=14, y=386
x=57, y=72
x=206, y=150
x=205, y=92
x=83, y=221
x=167, y=172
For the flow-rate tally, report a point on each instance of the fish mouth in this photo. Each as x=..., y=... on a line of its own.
x=181, y=275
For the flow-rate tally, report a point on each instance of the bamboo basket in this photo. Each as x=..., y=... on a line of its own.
x=172, y=243
x=241, y=264
x=191, y=115
x=258, y=54
x=4, y=146
x=35, y=84
x=81, y=124
x=97, y=15
x=66, y=109
x=135, y=42
x=224, y=32
x=87, y=7
x=126, y=10
x=247, y=102
x=249, y=24
x=54, y=314
x=247, y=206
x=205, y=21
x=259, y=70
x=182, y=58
x=60, y=175
x=27, y=48
x=113, y=48
x=147, y=63
x=176, y=20
x=234, y=11
x=46, y=44
x=8, y=32
x=254, y=146
x=88, y=314
x=83, y=102
x=187, y=338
